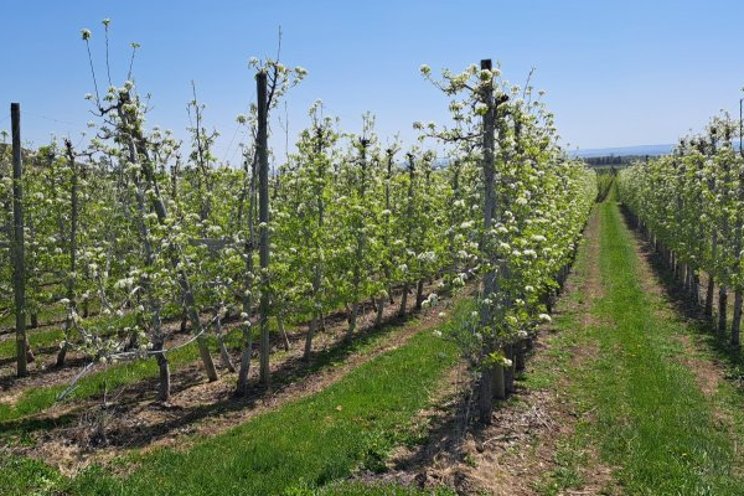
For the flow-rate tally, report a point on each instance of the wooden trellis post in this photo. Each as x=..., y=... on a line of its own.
x=18, y=252
x=263, y=219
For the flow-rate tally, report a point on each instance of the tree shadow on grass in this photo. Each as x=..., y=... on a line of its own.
x=33, y=424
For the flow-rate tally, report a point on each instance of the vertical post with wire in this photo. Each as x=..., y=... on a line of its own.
x=492, y=376
x=263, y=219
x=19, y=269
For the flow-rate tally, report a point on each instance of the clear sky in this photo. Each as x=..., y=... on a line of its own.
x=616, y=72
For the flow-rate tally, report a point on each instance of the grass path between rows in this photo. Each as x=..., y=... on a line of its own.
x=650, y=399
x=295, y=450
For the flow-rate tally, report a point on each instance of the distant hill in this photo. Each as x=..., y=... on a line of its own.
x=638, y=150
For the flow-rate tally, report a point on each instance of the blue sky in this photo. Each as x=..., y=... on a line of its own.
x=616, y=72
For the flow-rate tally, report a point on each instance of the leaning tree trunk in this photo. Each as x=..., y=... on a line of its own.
x=409, y=230
x=282, y=330
x=247, y=300
x=224, y=354
x=316, y=320
x=360, y=245
x=74, y=207
x=138, y=154
x=153, y=304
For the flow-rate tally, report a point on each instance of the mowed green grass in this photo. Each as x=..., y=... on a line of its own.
x=36, y=338
x=297, y=449
x=645, y=413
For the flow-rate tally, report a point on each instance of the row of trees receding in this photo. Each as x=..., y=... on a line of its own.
x=690, y=204
x=136, y=233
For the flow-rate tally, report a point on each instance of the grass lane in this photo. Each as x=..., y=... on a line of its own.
x=307, y=443
x=644, y=410
x=297, y=449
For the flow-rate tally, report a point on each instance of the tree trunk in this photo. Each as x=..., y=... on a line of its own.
x=695, y=289
x=249, y=189
x=403, y=302
x=736, y=325
x=499, y=383
x=353, y=314
x=509, y=371
x=686, y=282
x=245, y=361
x=738, y=227
x=309, y=338
x=722, y=308
x=224, y=354
x=520, y=355
x=163, y=373
x=62, y=355
x=419, y=294
x=201, y=340
x=709, y=295
x=71, y=277
x=485, y=398
x=380, y=312
x=361, y=242
x=492, y=375
x=283, y=331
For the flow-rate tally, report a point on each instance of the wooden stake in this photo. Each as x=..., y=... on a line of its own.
x=263, y=219
x=19, y=268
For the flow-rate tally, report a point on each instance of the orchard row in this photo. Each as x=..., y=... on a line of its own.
x=138, y=230
x=691, y=205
